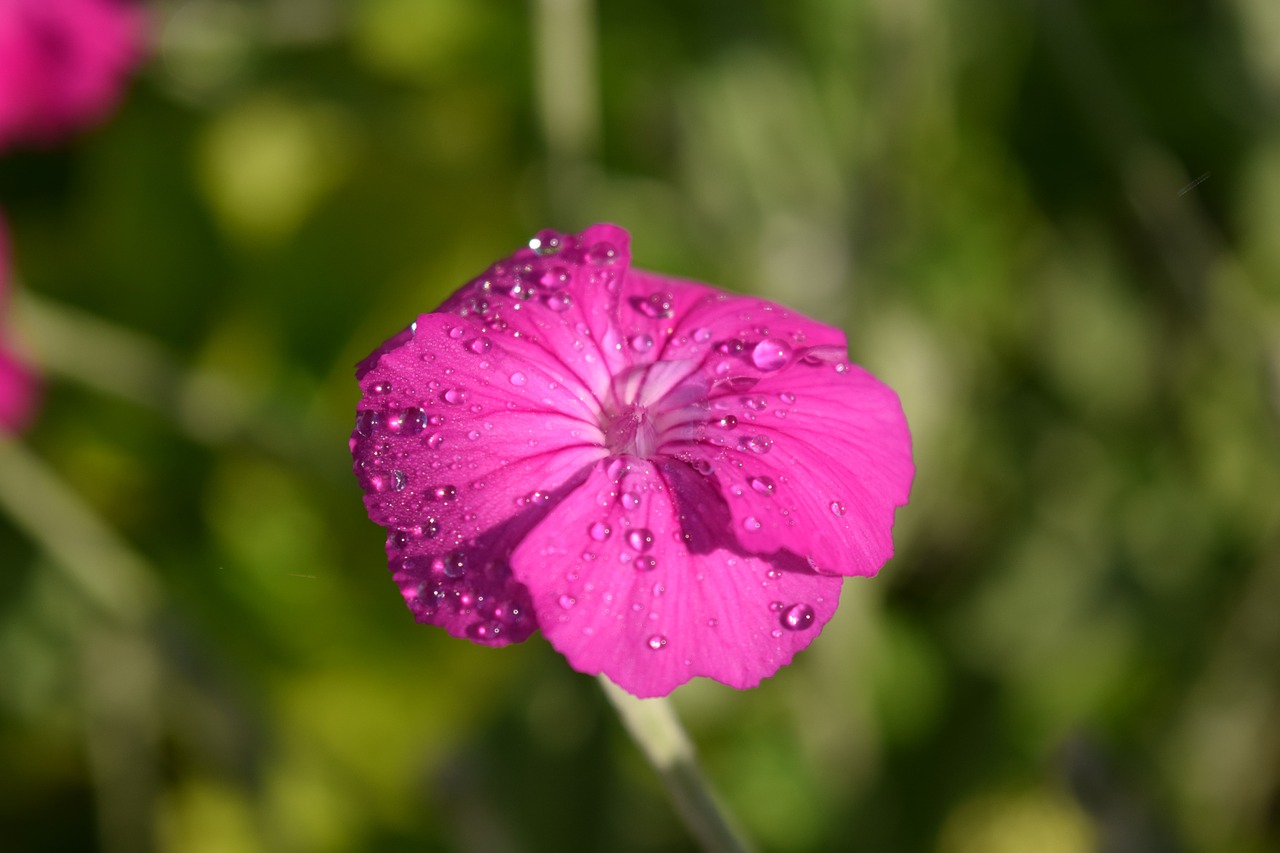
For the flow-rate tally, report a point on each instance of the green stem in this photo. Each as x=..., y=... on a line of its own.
x=655, y=728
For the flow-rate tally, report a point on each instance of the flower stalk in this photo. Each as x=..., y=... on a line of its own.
x=656, y=730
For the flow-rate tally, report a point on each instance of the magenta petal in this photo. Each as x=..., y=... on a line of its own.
x=462, y=443
x=18, y=393
x=813, y=458
x=63, y=63
x=632, y=576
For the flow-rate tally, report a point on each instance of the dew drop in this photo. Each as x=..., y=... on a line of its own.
x=443, y=493
x=656, y=305
x=771, y=354
x=399, y=480
x=480, y=345
x=645, y=563
x=751, y=523
x=435, y=440
x=602, y=253
x=630, y=500
x=567, y=601
x=546, y=242
x=382, y=387
x=599, y=531
x=559, y=302
x=657, y=641
x=757, y=404
x=797, y=617
x=413, y=421
x=759, y=443
x=837, y=508
x=457, y=332
x=727, y=422
x=518, y=378
x=397, y=539
x=701, y=335
x=641, y=539
x=658, y=590
x=732, y=346
x=455, y=564
x=454, y=396
x=763, y=485
x=641, y=343
x=367, y=422
x=787, y=397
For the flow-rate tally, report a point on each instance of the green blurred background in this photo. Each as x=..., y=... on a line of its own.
x=1052, y=225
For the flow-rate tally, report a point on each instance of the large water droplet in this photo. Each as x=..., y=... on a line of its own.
x=455, y=564
x=641, y=539
x=655, y=305
x=518, y=378
x=657, y=641
x=771, y=354
x=642, y=343
x=645, y=563
x=727, y=422
x=546, y=242
x=567, y=601
x=701, y=335
x=732, y=346
x=381, y=387
x=752, y=524
x=430, y=529
x=787, y=397
x=763, y=485
x=559, y=302
x=630, y=500
x=435, y=440
x=399, y=480
x=367, y=422
x=454, y=396
x=759, y=444
x=443, y=493
x=599, y=531
x=480, y=345
x=797, y=617
x=603, y=252
x=837, y=508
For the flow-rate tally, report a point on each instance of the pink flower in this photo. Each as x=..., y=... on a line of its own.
x=63, y=64
x=18, y=386
x=666, y=479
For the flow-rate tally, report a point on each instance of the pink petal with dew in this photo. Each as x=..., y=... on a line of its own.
x=635, y=575
x=462, y=443
x=814, y=458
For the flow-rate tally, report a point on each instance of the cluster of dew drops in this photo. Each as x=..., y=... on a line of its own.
x=547, y=281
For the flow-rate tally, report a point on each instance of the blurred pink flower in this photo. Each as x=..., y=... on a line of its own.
x=668, y=480
x=18, y=386
x=63, y=64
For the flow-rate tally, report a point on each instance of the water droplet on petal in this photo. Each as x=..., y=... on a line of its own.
x=435, y=440
x=642, y=343
x=546, y=242
x=727, y=422
x=655, y=306
x=480, y=345
x=732, y=346
x=517, y=378
x=443, y=493
x=645, y=563
x=559, y=302
x=763, y=485
x=701, y=335
x=641, y=539
x=797, y=617
x=657, y=641
x=630, y=500
x=567, y=601
x=399, y=480
x=771, y=354
x=367, y=422
x=457, y=332
x=759, y=444
x=454, y=396
x=382, y=387
x=603, y=252
x=837, y=508
x=455, y=564
x=751, y=523
x=599, y=531
x=787, y=397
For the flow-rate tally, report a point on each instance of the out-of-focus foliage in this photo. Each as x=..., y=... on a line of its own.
x=1051, y=225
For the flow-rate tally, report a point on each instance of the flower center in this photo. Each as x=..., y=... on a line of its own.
x=631, y=431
